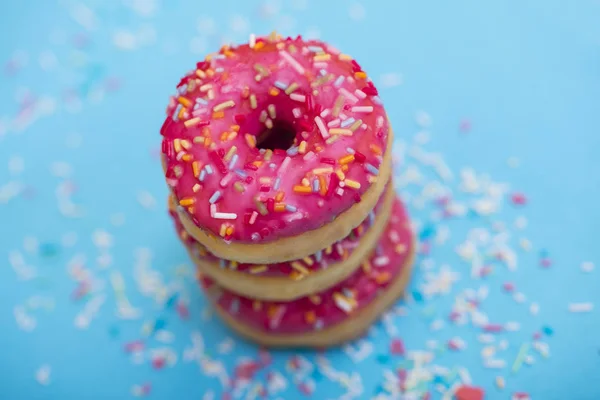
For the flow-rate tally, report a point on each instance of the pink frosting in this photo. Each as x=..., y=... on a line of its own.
x=335, y=253
x=331, y=306
x=212, y=140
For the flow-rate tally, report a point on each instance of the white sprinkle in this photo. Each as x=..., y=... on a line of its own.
x=580, y=307
x=379, y=122
x=284, y=165
x=292, y=61
x=325, y=112
x=494, y=363
x=213, y=210
x=253, y=218
x=298, y=97
x=297, y=112
x=423, y=119
x=390, y=79
x=322, y=127
x=224, y=215
x=42, y=375
x=360, y=94
x=362, y=109
x=356, y=12
x=534, y=309
x=334, y=123
x=381, y=261
x=587, y=266
x=146, y=199
x=352, y=98
x=252, y=41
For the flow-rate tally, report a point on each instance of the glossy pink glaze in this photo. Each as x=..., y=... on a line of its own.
x=246, y=194
x=297, y=269
x=333, y=305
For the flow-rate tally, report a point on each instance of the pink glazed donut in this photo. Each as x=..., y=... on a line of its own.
x=269, y=141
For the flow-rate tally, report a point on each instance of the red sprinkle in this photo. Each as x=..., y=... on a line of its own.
x=265, y=188
x=249, y=179
x=240, y=118
x=518, y=199
x=333, y=184
x=397, y=347
x=469, y=393
x=270, y=204
x=326, y=160
x=250, y=167
x=158, y=363
x=218, y=161
x=359, y=157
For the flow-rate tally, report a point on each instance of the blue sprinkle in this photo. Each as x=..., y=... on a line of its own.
x=347, y=292
x=272, y=165
x=547, y=330
x=159, y=324
x=48, y=249
x=233, y=161
x=290, y=208
x=347, y=122
x=218, y=56
x=219, y=70
x=216, y=196
x=372, y=169
x=209, y=169
x=234, y=307
x=315, y=49
x=350, y=150
x=200, y=100
x=427, y=232
x=338, y=82
x=316, y=185
x=277, y=183
x=319, y=255
x=222, y=263
x=377, y=100
x=171, y=301
x=241, y=173
x=202, y=175
x=383, y=358
x=417, y=296
x=292, y=151
x=183, y=89
x=371, y=218
x=280, y=85
x=323, y=72
x=176, y=113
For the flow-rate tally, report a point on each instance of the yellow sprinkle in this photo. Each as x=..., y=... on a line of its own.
x=308, y=261
x=207, y=142
x=352, y=184
x=271, y=109
x=206, y=87
x=273, y=91
x=337, y=106
x=186, y=144
x=191, y=122
x=299, y=267
x=231, y=136
x=366, y=267
x=279, y=196
x=345, y=57
x=279, y=207
x=196, y=168
x=235, y=128
x=232, y=264
x=223, y=230
x=196, y=187
x=375, y=149
x=230, y=153
x=340, y=131
x=315, y=299
x=258, y=269
x=191, y=209
x=268, y=154
x=177, y=145
x=310, y=317
x=184, y=102
x=200, y=74
x=257, y=304
x=360, y=75
x=266, y=180
x=210, y=73
x=187, y=201
x=250, y=140
x=305, y=182
x=296, y=276
x=290, y=89
x=322, y=57
x=253, y=103
x=400, y=248
x=224, y=136
x=238, y=187
x=346, y=159
x=324, y=170
x=218, y=115
x=302, y=147
x=356, y=125
x=199, y=139
x=340, y=174
x=178, y=171
x=371, y=178
x=328, y=249
x=224, y=105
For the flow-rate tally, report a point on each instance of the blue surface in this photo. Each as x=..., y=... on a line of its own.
x=525, y=74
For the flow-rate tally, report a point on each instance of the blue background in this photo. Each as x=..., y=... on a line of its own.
x=525, y=74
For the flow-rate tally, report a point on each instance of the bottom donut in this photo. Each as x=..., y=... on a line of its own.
x=331, y=317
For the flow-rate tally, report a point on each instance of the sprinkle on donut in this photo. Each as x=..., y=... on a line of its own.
x=272, y=138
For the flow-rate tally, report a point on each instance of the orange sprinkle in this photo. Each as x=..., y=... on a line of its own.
x=191, y=209
x=184, y=102
x=257, y=163
x=181, y=113
x=258, y=269
x=272, y=310
x=223, y=136
x=233, y=264
x=346, y=159
x=375, y=149
x=400, y=248
x=310, y=317
x=315, y=299
x=231, y=136
x=235, y=128
x=218, y=115
x=302, y=189
x=257, y=305
x=322, y=185
x=279, y=197
x=345, y=57
x=210, y=73
x=223, y=230
x=229, y=53
x=382, y=277
x=259, y=45
x=251, y=140
x=229, y=230
x=187, y=201
x=360, y=75
x=345, y=168
x=274, y=91
x=328, y=249
x=279, y=207
x=187, y=157
x=207, y=142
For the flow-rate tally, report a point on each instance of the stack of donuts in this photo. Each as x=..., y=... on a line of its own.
x=277, y=154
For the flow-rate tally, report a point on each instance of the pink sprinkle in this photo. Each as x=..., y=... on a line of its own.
x=518, y=199
x=520, y=396
x=136, y=345
x=537, y=336
x=508, y=287
x=183, y=311
x=465, y=126
x=546, y=262
x=246, y=370
x=397, y=347
x=493, y=328
x=158, y=363
x=305, y=389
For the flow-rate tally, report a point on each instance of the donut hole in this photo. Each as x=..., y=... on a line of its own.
x=281, y=136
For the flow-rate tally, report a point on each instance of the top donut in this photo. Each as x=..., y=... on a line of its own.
x=272, y=139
